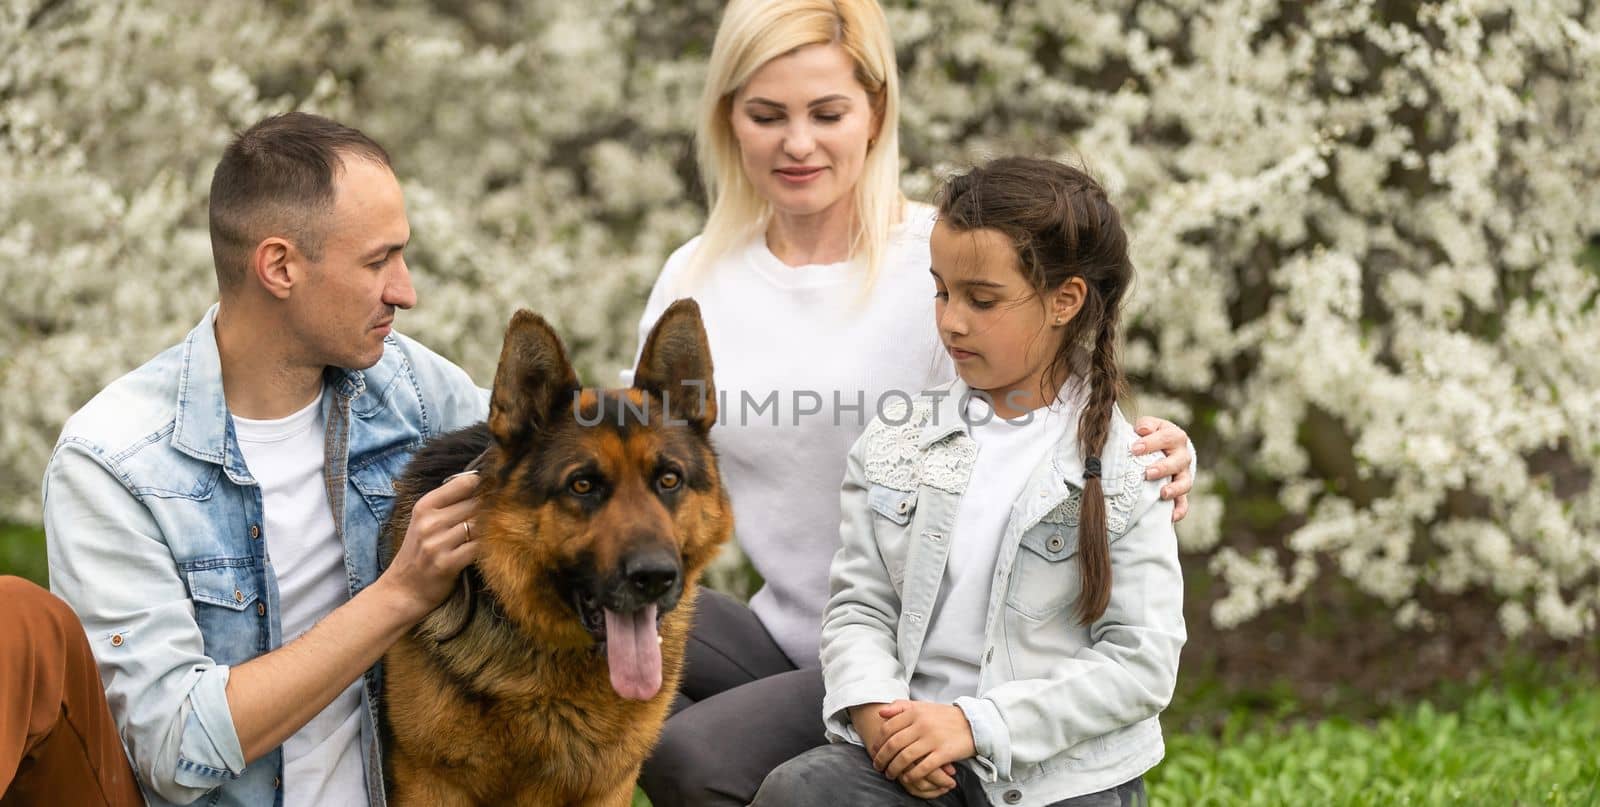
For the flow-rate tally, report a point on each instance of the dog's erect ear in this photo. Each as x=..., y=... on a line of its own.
x=534, y=379
x=676, y=363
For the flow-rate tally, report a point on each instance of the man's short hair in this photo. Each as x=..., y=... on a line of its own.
x=276, y=179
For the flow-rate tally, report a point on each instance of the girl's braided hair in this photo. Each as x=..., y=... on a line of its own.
x=1062, y=226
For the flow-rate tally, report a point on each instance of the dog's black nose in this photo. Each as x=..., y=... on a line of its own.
x=650, y=576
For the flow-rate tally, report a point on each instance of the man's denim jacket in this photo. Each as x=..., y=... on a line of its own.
x=155, y=538
x=1062, y=709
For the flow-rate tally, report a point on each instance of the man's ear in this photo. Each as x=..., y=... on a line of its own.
x=533, y=380
x=272, y=266
x=1067, y=300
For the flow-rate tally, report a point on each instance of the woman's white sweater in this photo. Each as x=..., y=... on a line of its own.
x=803, y=356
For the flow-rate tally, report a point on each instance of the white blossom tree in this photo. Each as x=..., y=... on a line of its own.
x=1362, y=229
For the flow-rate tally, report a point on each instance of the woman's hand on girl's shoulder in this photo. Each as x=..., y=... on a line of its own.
x=1163, y=435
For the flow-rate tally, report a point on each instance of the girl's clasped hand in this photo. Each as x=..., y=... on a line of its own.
x=920, y=742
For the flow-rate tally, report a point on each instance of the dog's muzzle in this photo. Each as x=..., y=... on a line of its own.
x=625, y=616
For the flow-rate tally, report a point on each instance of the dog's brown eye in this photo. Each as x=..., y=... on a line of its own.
x=668, y=481
x=581, y=487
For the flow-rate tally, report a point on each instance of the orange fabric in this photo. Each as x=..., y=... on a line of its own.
x=58, y=743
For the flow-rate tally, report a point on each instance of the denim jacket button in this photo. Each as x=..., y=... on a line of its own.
x=116, y=640
x=1055, y=543
x=238, y=596
x=1012, y=796
x=255, y=532
x=905, y=504
x=261, y=609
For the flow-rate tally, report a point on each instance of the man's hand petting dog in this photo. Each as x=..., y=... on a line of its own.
x=920, y=744
x=438, y=545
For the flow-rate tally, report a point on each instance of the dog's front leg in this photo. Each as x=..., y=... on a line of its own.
x=417, y=786
x=620, y=796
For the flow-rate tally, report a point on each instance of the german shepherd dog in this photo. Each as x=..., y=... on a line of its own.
x=545, y=678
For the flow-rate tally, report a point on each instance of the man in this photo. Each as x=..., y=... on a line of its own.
x=212, y=517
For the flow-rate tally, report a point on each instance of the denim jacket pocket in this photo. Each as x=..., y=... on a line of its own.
x=897, y=508
x=226, y=582
x=374, y=478
x=1045, y=578
x=895, y=505
x=225, y=592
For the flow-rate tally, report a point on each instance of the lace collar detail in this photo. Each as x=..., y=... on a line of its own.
x=895, y=460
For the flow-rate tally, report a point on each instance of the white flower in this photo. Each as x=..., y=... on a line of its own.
x=1361, y=243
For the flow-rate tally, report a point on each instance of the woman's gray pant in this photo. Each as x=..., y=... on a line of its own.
x=842, y=776
x=742, y=709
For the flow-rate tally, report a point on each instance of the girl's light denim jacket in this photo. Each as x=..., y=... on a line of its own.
x=155, y=538
x=1062, y=709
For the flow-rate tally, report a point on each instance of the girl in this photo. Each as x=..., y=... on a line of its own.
x=811, y=275
x=1007, y=611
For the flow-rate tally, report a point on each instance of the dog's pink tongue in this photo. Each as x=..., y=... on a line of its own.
x=634, y=653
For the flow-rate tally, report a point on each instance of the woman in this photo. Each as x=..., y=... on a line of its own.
x=812, y=277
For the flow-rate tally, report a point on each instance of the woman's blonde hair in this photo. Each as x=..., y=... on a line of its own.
x=752, y=33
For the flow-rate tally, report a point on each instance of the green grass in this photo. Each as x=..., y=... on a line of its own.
x=1526, y=736
x=22, y=552
x=1502, y=747
x=1522, y=745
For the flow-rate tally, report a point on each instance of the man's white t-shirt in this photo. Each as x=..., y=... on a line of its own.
x=321, y=761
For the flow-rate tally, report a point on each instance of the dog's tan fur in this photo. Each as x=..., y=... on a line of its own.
x=507, y=700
